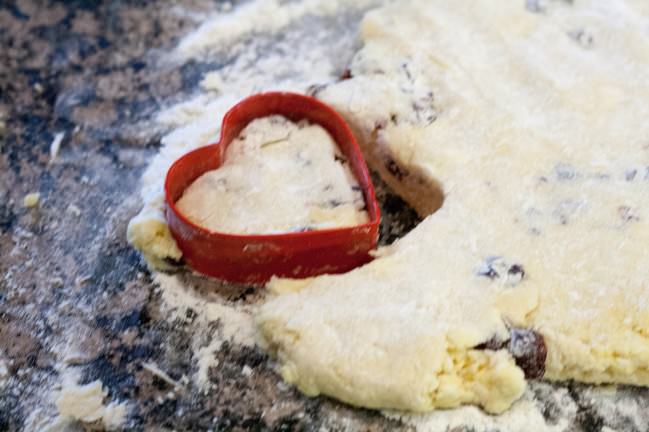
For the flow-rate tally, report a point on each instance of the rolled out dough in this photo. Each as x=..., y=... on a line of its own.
x=530, y=120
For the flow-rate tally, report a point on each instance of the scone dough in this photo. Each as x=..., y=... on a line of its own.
x=278, y=176
x=526, y=124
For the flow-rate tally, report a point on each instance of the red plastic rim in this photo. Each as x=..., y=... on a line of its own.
x=256, y=258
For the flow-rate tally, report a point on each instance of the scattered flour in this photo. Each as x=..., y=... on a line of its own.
x=205, y=359
x=524, y=415
x=76, y=211
x=235, y=323
x=627, y=411
x=261, y=16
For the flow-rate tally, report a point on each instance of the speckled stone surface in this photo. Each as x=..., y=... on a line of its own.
x=67, y=276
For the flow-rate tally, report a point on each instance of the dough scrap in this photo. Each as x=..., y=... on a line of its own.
x=31, y=199
x=531, y=124
x=85, y=403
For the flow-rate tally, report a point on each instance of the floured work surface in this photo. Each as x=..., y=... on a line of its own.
x=175, y=350
x=533, y=127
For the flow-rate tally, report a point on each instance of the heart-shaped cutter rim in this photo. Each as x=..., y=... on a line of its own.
x=255, y=258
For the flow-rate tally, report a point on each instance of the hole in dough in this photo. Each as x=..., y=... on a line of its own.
x=398, y=218
x=422, y=193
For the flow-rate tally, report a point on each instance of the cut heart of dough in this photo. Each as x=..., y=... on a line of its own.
x=530, y=119
x=278, y=176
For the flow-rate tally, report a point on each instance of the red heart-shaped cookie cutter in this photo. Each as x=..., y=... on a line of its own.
x=256, y=258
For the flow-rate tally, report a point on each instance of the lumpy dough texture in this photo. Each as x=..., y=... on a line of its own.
x=531, y=118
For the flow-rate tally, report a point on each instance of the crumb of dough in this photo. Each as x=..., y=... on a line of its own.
x=149, y=233
x=212, y=82
x=76, y=211
x=56, y=145
x=85, y=403
x=31, y=199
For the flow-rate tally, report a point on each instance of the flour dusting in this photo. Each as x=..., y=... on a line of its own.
x=262, y=16
x=235, y=324
x=524, y=415
x=629, y=411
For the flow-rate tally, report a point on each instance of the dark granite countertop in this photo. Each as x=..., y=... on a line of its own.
x=86, y=68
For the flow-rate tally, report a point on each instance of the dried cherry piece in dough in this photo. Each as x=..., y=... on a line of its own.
x=526, y=346
x=496, y=267
x=529, y=351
